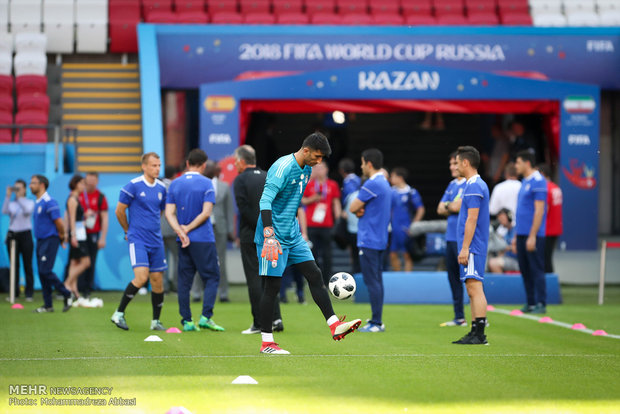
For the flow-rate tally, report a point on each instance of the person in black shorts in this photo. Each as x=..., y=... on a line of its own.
x=79, y=259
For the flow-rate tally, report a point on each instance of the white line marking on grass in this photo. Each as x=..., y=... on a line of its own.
x=553, y=322
x=309, y=356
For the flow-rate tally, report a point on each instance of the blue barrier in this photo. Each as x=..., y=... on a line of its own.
x=433, y=288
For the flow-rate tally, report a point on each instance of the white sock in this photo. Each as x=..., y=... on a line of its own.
x=267, y=337
x=332, y=320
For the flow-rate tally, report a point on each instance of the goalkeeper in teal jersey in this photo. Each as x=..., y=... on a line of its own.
x=279, y=242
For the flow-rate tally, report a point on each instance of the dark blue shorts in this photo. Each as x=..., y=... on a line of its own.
x=153, y=257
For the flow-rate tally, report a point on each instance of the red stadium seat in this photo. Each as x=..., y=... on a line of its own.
x=6, y=118
x=420, y=20
x=6, y=103
x=385, y=19
x=32, y=118
x=192, y=17
x=259, y=18
x=30, y=84
x=326, y=19
x=6, y=85
x=483, y=18
x=480, y=6
x=513, y=6
x=124, y=15
x=149, y=6
x=160, y=16
x=292, y=18
x=36, y=102
x=452, y=20
x=189, y=6
x=287, y=6
x=356, y=19
x=320, y=6
x=352, y=6
x=123, y=10
x=515, y=19
x=423, y=7
x=225, y=17
x=448, y=7
x=384, y=6
x=255, y=6
x=217, y=6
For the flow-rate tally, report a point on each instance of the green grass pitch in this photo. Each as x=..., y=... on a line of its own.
x=412, y=367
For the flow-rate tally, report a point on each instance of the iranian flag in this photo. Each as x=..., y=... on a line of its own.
x=579, y=104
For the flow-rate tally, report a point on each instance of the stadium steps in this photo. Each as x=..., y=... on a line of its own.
x=102, y=100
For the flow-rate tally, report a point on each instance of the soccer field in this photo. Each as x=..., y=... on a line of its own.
x=412, y=367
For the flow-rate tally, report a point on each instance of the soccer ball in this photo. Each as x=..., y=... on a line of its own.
x=342, y=285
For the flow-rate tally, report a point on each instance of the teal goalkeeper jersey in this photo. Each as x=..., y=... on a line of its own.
x=284, y=187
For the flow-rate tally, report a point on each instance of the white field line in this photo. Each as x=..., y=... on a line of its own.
x=128, y=357
x=553, y=322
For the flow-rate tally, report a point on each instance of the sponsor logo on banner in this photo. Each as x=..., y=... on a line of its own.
x=580, y=175
x=220, y=103
x=579, y=104
x=398, y=80
x=220, y=139
x=578, y=139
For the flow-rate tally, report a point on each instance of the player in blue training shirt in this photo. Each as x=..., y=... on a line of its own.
x=50, y=233
x=145, y=198
x=188, y=209
x=373, y=205
x=407, y=207
x=449, y=207
x=279, y=242
x=473, y=240
x=531, y=224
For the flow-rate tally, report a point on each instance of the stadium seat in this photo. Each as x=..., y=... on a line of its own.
x=192, y=17
x=356, y=19
x=420, y=20
x=217, y=6
x=485, y=18
x=6, y=135
x=6, y=63
x=479, y=6
x=610, y=18
x=254, y=6
x=30, y=64
x=513, y=6
x=287, y=6
x=6, y=103
x=35, y=102
x=25, y=16
x=572, y=6
x=292, y=18
x=326, y=19
x=160, y=16
x=124, y=16
x=352, y=6
x=388, y=19
x=452, y=20
x=384, y=7
x=549, y=19
x=320, y=6
x=31, y=135
x=189, y=6
x=6, y=85
x=30, y=43
x=451, y=7
x=4, y=16
x=123, y=10
x=225, y=17
x=91, y=17
x=515, y=19
x=6, y=42
x=58, y=25
x=607, y=5
x=422, y=7
x=149, y=6
x=546, y=6
x=30, y=84
x=583, y=19
x=259, y=18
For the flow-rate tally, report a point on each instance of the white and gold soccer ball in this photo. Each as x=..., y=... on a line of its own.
x=342, y=285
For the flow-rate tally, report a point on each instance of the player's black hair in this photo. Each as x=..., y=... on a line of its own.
x=401, y=172
x=527, y=156
x=346, y=165
x=544, y=169
x=170, y=171
x=374, y=156
x=507, y=212
x=317, y=142
x=43, y=180
x=470, y=154
x=20, y=181
x=247, y=154
x=74, y=181
x=197, y=157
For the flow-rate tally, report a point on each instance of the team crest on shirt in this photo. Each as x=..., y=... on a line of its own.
x=143, y=194
x=527, y=187
x=39, y=210
x=403, y=198
x=301, y=176
x=294, y=181
x=159, y=195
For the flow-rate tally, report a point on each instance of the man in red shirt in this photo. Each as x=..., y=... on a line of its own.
x=554, y=216
x=322, y=201
x=96, y=220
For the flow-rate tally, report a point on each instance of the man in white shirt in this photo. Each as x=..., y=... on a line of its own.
x=506, y=193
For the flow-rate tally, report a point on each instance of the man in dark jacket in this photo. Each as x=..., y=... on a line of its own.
x=248, y=188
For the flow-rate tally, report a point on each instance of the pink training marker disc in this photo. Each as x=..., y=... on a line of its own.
x=545, y=319
x=599, y=332
x=17, y=306
x=173, y=330
x=578, y=326
x=516, y=312
x=490, y=308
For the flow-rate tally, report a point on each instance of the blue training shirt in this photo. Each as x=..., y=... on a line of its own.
x=285, y=185
x=146, y=202
x=350, y=184
x=533, y=188
x=188, y=193
x=46, y=210
x=372, y=229
x=453, y=192
x=405, y=202
x=475, y=195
